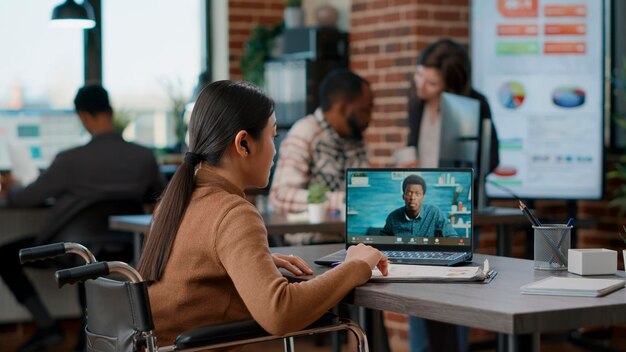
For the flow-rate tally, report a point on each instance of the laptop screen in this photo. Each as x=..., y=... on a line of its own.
x=409, y=208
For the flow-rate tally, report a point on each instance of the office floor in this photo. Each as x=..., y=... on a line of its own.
x=12, y=336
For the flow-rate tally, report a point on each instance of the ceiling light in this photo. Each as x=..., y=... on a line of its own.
x=72, y=15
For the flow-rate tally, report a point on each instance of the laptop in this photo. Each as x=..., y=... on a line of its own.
x=414, y=216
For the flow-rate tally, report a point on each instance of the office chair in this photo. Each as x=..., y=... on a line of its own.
x=90, y=226
x=120, y=319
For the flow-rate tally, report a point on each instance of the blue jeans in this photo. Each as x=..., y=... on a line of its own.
x=419, y=341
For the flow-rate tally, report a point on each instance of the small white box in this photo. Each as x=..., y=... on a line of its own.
x=592, y=261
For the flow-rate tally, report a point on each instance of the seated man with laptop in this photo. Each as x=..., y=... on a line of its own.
x=415, y=218
x=370, y=193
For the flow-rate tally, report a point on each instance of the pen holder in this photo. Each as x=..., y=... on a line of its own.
x=552, y=243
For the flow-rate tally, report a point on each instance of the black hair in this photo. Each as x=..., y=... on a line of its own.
x=451, y=59
x=340, y=84
x=92, y=98
x=413, y=180
x=223, y=108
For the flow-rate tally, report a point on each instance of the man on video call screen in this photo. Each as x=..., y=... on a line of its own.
x=409, y=204
x=415, y=218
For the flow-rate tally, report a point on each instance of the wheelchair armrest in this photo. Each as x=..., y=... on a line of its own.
x=210, y=335
x=235, y=331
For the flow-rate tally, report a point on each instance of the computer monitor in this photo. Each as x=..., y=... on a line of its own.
x=460, y=131
x=43, y=132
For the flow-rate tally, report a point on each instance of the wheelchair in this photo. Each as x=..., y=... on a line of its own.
x=119, y=317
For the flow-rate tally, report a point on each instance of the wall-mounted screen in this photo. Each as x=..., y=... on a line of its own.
x=540, y=63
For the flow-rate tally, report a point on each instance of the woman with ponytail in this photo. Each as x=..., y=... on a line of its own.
x=207, y=254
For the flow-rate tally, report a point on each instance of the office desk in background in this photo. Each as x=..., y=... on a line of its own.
x=498, y=306
x=277, y=224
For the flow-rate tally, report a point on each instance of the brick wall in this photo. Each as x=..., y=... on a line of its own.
x=243, y=16
x=386, y=37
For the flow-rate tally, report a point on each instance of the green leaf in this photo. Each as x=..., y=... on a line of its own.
x=317, y=193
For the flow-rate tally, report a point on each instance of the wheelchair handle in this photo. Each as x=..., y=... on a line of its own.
x=54, y=250
x=41, y=252
x=81, y=273
x=94, y=271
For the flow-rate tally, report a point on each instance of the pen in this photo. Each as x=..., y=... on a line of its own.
x=533, y=220
x=335, y=264
x=570, y=222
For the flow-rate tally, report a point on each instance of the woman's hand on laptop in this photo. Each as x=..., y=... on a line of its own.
x=370, y=255
x=292, y=263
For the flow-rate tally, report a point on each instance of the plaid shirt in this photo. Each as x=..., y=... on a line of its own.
x=311, y=153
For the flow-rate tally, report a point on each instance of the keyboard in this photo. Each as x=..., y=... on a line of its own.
x=432, y=258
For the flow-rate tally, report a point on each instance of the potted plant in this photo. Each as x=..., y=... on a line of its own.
x=257, y=51
x=293, y=15
x=317, y=203
x=359, y=179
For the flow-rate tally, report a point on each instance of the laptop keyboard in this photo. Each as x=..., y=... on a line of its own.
x=423, y=255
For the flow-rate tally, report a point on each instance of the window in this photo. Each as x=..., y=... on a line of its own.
x=41, y=68
x=151, y=62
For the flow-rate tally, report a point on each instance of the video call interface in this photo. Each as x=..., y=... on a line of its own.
x=380, y=211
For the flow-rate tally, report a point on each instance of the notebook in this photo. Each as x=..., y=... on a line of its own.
x=415, y=216
x=572, y=286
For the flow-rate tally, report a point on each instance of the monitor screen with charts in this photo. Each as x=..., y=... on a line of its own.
x=409, y=208
x=42, y=132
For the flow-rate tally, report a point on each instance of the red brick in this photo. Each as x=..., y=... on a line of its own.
x=418, y=15
x=379, y=4
x=458, y=31
x=393, y=137
x=359, y=65
x=370, y=49
x=403, y=2
x=382, y=152
x=373, y=137
x=389, y=93
x=430, y=30
x=246, y=5
x=366, y=21
x=405, y=61
x=355, y=37
x=393, y=47
x=383, y=63
x=358, y=7
x=391, y=17
x=277, y=5
x=397, y=77
x=446, y=15
x=394, y=108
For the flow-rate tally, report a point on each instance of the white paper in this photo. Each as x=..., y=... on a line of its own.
x=23, y=168
x=403, y=272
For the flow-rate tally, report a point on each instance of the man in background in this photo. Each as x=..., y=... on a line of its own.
x=320, y=146
x=106, y=168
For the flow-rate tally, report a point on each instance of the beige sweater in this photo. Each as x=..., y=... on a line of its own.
x=221, y=270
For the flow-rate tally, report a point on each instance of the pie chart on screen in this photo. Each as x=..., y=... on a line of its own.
x=511, y=95
x=568, y=97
